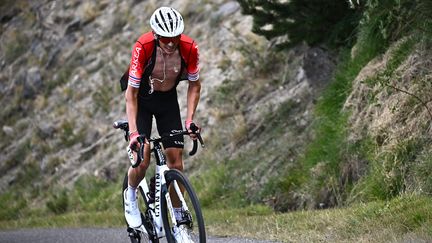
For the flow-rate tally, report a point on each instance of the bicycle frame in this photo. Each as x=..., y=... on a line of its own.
x=154, y=210
x=160, y=190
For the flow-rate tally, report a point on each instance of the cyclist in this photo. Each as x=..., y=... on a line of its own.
x=160, y=59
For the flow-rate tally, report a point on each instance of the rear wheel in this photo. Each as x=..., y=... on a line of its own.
x=192, y=221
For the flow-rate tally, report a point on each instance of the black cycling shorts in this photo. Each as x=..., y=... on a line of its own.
x=164, y=107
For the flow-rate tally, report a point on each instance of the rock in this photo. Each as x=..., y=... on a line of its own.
x=52, y=57
x=91, y=137
x=38, y=50
x=318, y=66
x=33, y=83
x=8, y=130
x=300, y=75
x=45, y=130
x=8, y=15
x=95, y=65
x=73, y=26
x=228, y=8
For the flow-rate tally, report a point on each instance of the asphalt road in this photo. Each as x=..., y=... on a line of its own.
x=94, y=235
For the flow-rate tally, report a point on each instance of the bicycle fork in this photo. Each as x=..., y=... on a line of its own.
x=162, y=190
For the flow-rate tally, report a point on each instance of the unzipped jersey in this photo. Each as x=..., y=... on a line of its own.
x=144, y=57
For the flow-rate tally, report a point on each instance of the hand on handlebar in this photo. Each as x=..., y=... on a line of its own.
x=136, y=146
x=133, y=141
x=192, y=128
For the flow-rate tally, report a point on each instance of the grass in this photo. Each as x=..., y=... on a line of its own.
x=320, y=168
x=392, y=164
x=407, y=217
x=16, y=45
x=320, y=165
x=102, y=98
x=109, y=218
x=215, y=186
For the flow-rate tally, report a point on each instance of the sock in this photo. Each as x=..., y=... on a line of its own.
x=178, y=213
x=131, y=193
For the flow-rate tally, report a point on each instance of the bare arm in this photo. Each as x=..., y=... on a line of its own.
x=131, y=96
x=193, y=97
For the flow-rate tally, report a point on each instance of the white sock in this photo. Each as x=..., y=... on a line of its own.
x=178, y=213
x=131, y=193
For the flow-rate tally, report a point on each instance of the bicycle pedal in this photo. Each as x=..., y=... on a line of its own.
x=183, y=222
x=132, y=232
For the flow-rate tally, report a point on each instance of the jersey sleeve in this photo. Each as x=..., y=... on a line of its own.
x=136, y=65
x=193, y=64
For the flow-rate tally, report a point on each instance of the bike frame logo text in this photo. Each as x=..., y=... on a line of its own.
x=157, y=197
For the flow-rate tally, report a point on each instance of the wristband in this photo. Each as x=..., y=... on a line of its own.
x=188, y=123
x=134, y=133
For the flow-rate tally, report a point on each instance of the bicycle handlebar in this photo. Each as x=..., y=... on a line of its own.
x=122, y=124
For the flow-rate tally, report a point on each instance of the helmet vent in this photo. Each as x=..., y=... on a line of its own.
x=171, y=21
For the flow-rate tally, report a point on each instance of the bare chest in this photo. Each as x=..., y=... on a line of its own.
x=165, y=71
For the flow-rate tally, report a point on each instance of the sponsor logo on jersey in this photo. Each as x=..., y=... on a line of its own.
x=134, y=65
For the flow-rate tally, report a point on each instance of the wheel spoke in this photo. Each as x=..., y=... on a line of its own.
x=188, y=223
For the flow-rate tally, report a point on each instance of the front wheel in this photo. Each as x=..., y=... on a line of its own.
x=188, y=225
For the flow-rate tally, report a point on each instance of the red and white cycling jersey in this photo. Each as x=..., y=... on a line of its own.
x=142, y=53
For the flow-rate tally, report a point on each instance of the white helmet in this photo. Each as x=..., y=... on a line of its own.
x=167, y=22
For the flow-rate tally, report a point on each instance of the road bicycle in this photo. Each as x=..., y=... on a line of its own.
x=171, y=187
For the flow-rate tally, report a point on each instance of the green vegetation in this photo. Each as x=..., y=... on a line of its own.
x=11, y=206
x=387, y=173
x=90, y=195
x=324, y=174
x=404, y=218
x=16, y=46
x=102, y=98
x=216, y=189
x=314, y=22
x=96, y=194
x=59, y=203
x=376, y=222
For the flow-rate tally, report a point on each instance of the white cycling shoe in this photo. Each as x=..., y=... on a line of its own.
x=132, y=213
x=181, y=234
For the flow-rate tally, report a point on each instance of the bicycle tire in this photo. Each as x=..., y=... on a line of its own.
x=138, y=239
x=196, y=231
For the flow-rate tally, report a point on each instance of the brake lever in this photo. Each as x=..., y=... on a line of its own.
x=140, y=152
x=195, y=130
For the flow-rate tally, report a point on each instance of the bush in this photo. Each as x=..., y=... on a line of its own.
x=387, y=21
x=316, y=22
x=11, y=205
x=58, y=203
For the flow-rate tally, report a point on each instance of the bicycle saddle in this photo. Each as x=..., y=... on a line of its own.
x=123, y=124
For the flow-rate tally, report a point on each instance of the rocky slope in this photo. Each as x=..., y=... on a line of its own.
x=60, y=65
x=389, y=107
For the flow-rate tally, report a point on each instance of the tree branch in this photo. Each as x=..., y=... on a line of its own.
x=413, y=95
